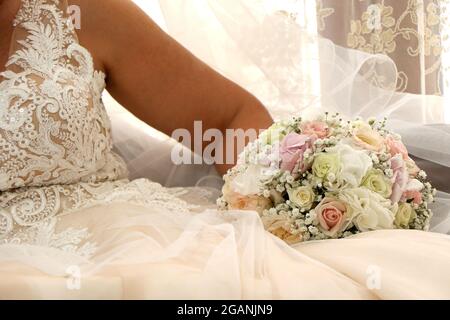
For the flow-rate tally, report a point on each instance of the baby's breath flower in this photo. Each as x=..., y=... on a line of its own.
x=422, y=174
x=313, y=230
x=348, y=234
x=389, y=173
x=384, y=157
x=375, y=158
x=303, y=229
x=372, y=120
x=221, y=203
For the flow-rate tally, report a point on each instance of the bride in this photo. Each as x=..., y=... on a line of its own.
x=73, y=226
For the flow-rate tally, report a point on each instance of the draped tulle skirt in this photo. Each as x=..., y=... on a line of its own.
x=178, y=249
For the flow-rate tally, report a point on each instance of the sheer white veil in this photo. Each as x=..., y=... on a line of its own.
x=293, y=71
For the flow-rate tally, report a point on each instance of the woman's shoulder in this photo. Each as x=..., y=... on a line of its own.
x=103, y=25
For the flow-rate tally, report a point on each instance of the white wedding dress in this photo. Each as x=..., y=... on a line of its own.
x=72, y=225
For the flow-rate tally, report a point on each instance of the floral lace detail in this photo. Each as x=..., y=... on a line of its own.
x=413, y=33
x=55, y=139
x=141, y=192
x=53, y=126
x=30, y=215
x=44, y=234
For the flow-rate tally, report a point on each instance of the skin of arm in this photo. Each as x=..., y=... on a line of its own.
x=157, y=79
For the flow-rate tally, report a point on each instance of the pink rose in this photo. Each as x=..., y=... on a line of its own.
x=396, y=147
x=317, y=128
x=331, y=214
x=292, y=149
x=413, y=195
x=399, y=179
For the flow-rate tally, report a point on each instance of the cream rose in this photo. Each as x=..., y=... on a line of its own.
x=370, y=211
x=376, y=181
x=367, y=138
x=325, y=164
x=332, y=215
x=302, y=197
x=354, y=165
x=273, y=134
x=404, y=215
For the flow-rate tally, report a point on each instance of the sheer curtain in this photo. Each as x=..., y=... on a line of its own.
x=414, y=33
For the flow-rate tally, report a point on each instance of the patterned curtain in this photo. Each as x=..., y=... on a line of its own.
x=414, y=33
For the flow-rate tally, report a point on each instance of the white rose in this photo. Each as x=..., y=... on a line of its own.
x=248, y=182
x=302, y=197
x=414, y=185
x=354, y=165
x=370, y=211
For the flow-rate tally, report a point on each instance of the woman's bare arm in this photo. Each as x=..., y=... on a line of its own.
x=158, y=80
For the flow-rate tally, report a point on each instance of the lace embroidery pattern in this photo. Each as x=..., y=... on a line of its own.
x=53, y=125
x=55, y=140
x=30, y=216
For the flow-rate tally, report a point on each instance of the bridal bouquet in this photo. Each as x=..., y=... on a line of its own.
x=329, y=178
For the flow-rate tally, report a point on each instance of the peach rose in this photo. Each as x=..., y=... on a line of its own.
x=279, y=226
x=400, y=178
x=237, y=201
x=413, y=191
x=331, y=214
x=318, y=128
x=367, y=138
x=396, y=147
x=413, y=195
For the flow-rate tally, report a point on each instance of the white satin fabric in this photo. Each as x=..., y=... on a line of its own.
x=152, y=253
x=142, y=241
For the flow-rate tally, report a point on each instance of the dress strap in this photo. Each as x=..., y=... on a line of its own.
x=45, y=41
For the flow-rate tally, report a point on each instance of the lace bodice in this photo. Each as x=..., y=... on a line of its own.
x=55, y=136
x=53, y=126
